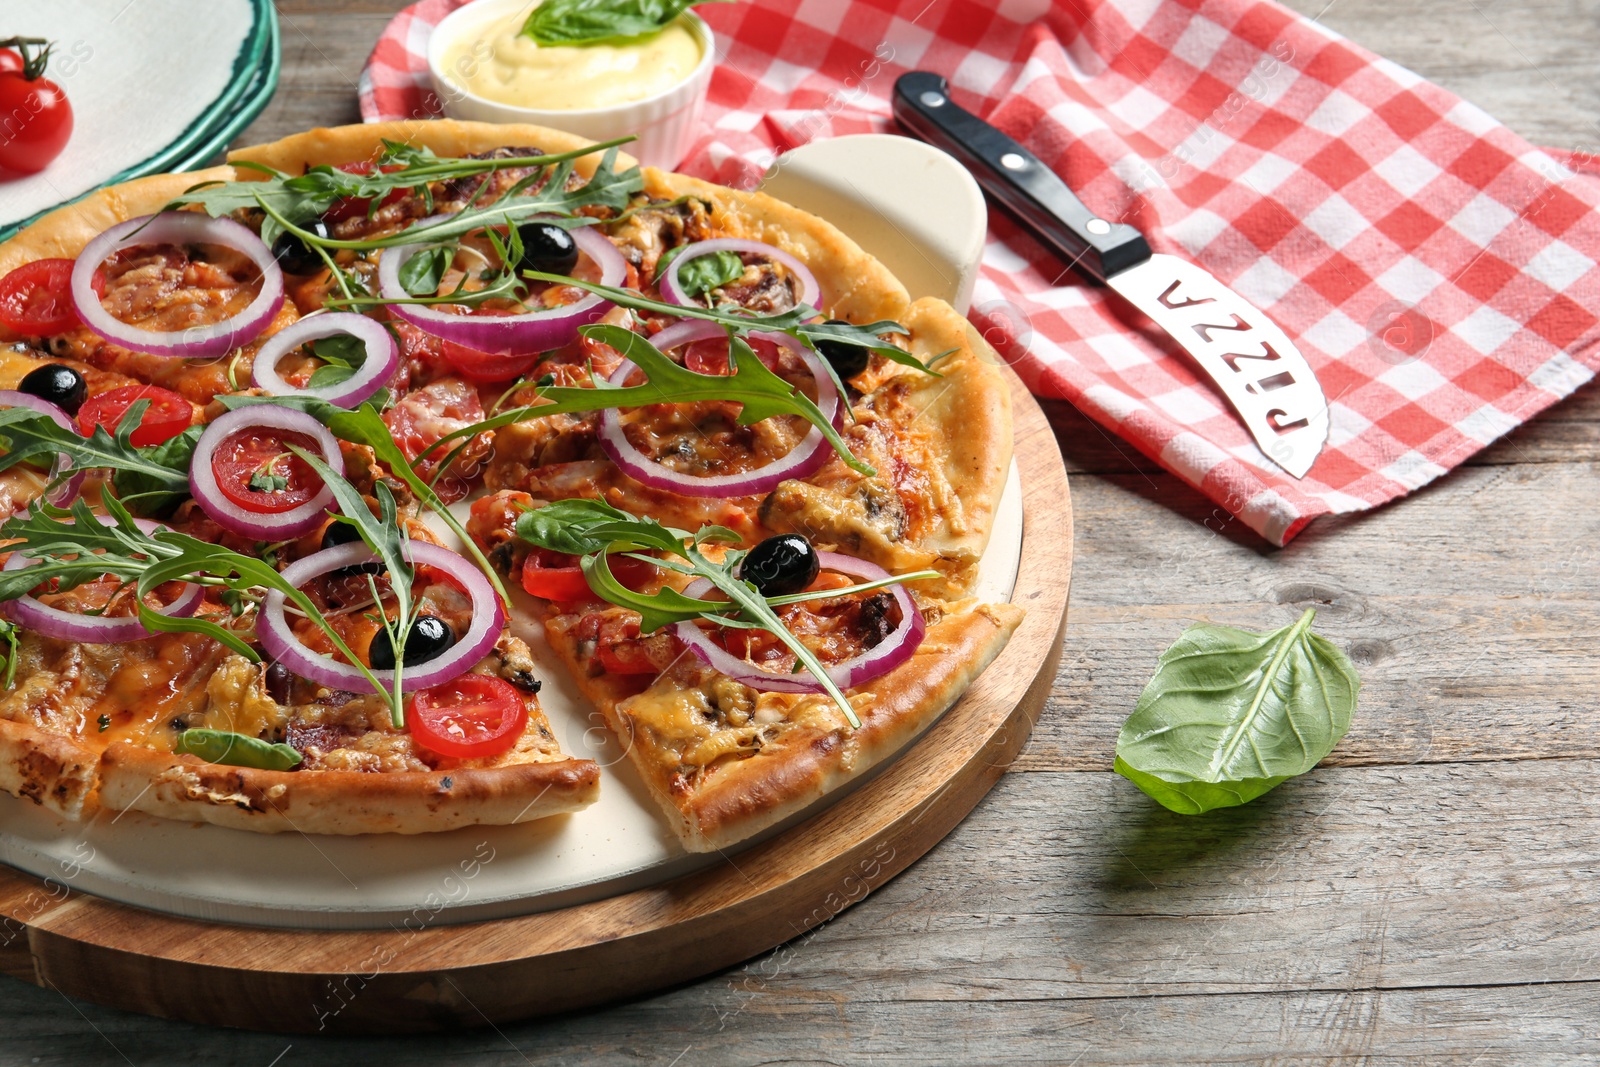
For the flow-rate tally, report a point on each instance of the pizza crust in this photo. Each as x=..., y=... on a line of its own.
x=855, y=286
x=753, y=794
x=742, y=797
x=341, y=144
x=341, y=802
x=54, y=771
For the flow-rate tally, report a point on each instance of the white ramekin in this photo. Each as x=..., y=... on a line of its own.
x=665, y=123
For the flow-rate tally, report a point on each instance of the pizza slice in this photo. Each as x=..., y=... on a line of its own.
x=179, y=725
x=725, y=760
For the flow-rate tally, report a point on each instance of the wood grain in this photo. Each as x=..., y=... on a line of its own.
x=1445, y=866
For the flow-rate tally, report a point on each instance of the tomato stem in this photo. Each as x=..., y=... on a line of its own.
x=32, y=65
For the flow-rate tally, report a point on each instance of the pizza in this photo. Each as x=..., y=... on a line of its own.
x=291, y=443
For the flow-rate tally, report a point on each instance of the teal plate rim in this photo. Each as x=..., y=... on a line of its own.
x=255, y=70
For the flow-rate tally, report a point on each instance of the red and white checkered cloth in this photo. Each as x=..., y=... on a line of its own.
x=1438, y=272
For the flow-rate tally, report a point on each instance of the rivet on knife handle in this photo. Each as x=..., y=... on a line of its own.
x=1261, y=372
x=1015, y=177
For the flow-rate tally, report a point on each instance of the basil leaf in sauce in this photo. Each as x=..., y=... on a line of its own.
x=1230, y=714
x=343, y=353
x=236, y=750
x=422, y=273
x=712, y=271
x=566, y=22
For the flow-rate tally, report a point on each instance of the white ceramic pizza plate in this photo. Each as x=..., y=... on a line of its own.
x=152, y=88
x=619, y=844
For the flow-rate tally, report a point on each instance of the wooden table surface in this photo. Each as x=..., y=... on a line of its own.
x=1429, y=895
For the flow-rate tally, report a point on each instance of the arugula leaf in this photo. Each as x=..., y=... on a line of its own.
x=9, y=633
x=796, y=321
x=294, y=201
x=705, y=273
x=85, y=548
x=365, y=426
x=1230, y=714
x=596, y=530
x=406, y=154
x=578, y=527
x=265, y=481
x=751, y=384
x=571, y=22
x=30, y=434
x=236, y=750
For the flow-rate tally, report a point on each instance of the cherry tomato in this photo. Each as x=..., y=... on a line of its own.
x=349, y=207
x=36, y=298
x=485, y=366
x=557, y=576
x=711, y=357
x=10, y=61
x=249, y=463
x=167, y=416
x=473, y=715
x=39, y=125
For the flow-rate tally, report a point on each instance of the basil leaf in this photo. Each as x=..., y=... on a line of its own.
x=343, y=353
x=1230, y=714
x=566, y=22
x=705, y=273
x=149, y=495
x=341, y=350
x=422, y=273
x=236, y=750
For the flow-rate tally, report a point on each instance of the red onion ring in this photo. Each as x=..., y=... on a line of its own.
x=488, y=620
x=93, y=629
x=180, y=228
x=13, y=398
x=507, y=335
x=230, y=516
x=383, y=357
x=672, y=289
x=897, y=647
x=804, y=458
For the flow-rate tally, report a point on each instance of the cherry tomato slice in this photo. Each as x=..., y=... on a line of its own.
x=711, y=357
x=39, y=123
x=258, y=472
x=36, y=298
x=485, y=366
x=557, y=576
x=473, y=715
x=350, y=206
x=167, y=416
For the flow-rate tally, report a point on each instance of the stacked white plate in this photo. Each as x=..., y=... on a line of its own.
x=154, y=87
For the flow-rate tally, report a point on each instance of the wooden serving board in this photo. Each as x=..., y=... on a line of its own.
x=423, y=976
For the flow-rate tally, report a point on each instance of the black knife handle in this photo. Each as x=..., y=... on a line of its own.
x=1017, y=179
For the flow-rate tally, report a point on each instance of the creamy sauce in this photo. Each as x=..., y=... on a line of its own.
x=499, y=64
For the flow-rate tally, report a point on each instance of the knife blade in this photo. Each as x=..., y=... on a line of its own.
x=1250, y=359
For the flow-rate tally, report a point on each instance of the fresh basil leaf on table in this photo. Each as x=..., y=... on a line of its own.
x=1230, y=714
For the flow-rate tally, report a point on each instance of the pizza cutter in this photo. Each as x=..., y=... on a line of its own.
x=1255, y=365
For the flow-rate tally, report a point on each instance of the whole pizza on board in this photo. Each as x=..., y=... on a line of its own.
x=745, y=479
